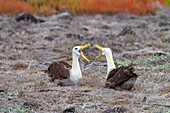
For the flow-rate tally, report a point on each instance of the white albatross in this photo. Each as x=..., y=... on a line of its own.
x=120, y=78
x=66, y=73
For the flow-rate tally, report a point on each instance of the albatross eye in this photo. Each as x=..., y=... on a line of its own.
x=75, y=48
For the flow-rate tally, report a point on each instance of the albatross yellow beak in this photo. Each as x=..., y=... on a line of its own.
x=83, y=47
x=100, y=49
x=99, y=56
x=81, y=54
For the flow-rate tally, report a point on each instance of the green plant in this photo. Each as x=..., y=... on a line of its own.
x=152, y=68
x=13, y=95
x=150, y=64
x=139, y=68
x=167, y=66
x=126, y=62
x=157, y=59
x=135, y=62
x=23, y=51
x=168, y=2
x=16, y=109
x=165, y=39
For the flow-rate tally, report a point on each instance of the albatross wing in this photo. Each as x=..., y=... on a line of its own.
x=121, y=78
x=59, y=70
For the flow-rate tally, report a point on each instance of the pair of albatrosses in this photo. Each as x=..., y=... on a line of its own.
x=120, y=78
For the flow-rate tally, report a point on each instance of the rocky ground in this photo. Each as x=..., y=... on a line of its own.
x=27, y=48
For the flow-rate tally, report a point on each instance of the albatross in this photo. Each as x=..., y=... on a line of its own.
x=119, y=78
x=66, y=73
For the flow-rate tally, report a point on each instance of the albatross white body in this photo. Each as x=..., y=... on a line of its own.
x=75, y=72
x=110, y=63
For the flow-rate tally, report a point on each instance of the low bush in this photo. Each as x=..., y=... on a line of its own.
x=138, y=7
x=14, y=7
x=49, y=7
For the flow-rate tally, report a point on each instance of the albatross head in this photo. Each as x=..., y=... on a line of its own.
x=77, y=50
x=108, y=53
x=105, y=51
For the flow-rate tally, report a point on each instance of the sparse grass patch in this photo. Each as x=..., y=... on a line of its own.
x=12, y=95
x=157, y=59
x=150, y=63
x=151, y=68
x=126, y=62
x=25, y=51
x=16, y=109
x=165, y=39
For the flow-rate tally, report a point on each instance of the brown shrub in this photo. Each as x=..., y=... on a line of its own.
x=14, y=7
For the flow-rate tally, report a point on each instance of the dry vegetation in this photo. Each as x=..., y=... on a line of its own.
x=28, y=48
x=14, y=7
x=49, y=7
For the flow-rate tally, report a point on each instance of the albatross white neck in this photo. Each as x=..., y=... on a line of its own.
x=75, y=72
x=110, y=62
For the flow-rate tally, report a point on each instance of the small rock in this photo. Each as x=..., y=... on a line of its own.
x=144, y=99
x=132, y=17
x=98, y=16
x=80, y=37
x=49, y=38
x=69, y=110
x=1, y=90
x=58, y=40
x=30, y=105
x=164, y=23
x=91, y=38
x=85, y=28
x=152, y=51
x=116, y=110
x=64, y=15
x=103, y=37
x=20, y=66
x=70, y=35
x=27, y=17
x=143, y=25
x=162, y=29
x=126, y=30
x=105, y=27
x=120, y=16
